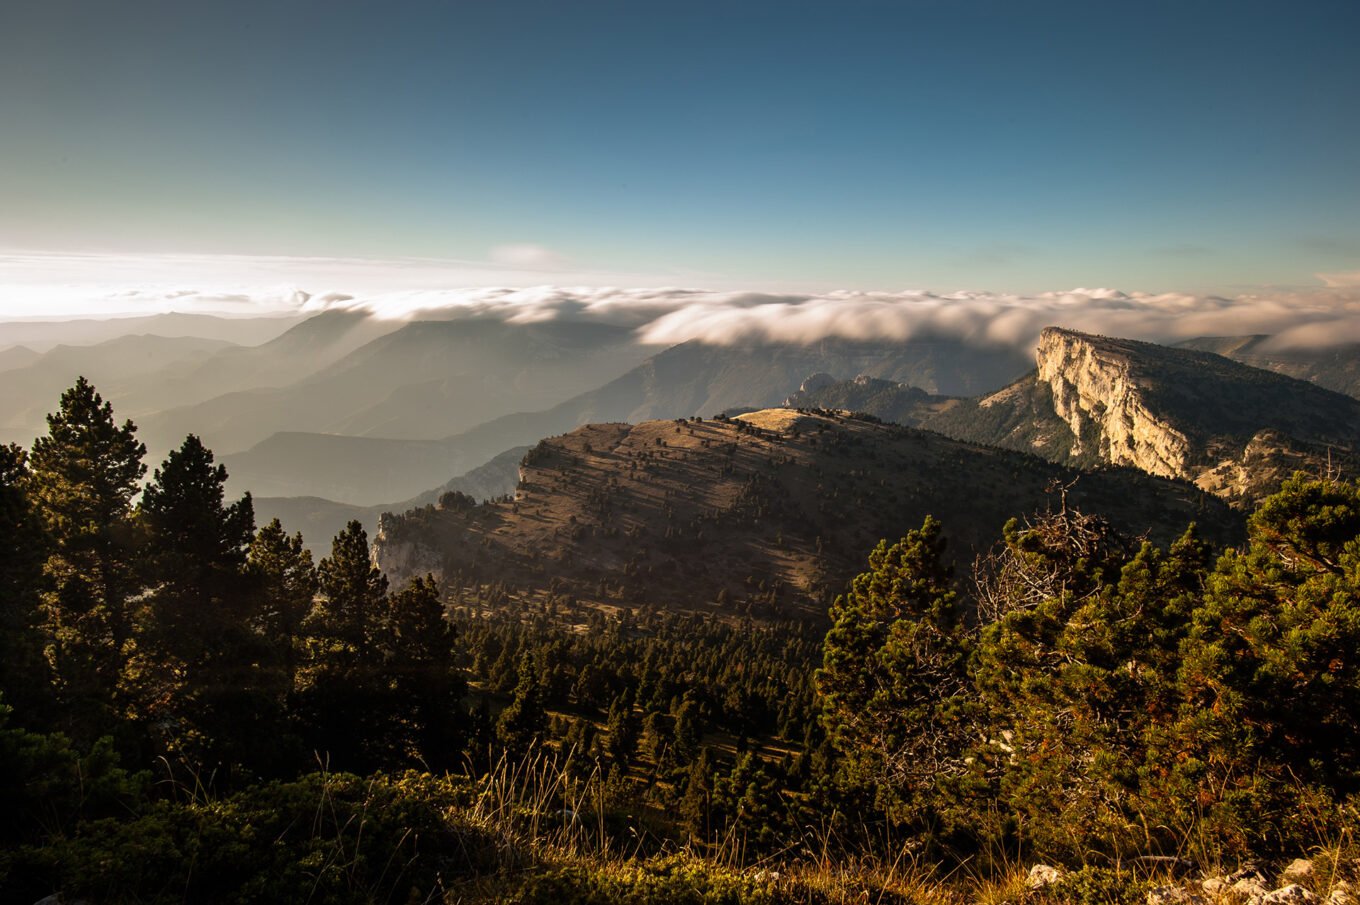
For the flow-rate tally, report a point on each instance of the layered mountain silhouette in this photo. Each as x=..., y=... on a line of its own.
x=683, y=381
x=320, y=520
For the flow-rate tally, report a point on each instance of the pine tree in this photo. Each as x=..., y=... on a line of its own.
x=1270, y=679
x=689, y=731
x=523, y=721
x=196, y=543
x=427, y=687
x=696, y=805
x=342, y=686
x=894, y=667
x=285, y=585
x=84, y=475
x=622, y=726
x=25, y=678
x=200, y=675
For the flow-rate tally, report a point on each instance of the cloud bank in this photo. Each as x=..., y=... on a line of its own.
x=667, y=316
x=52, y=285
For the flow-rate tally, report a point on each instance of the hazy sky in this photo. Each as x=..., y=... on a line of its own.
x=1010, y=146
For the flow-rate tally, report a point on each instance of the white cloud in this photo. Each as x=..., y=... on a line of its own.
x=34, y=284
x=1350, y=280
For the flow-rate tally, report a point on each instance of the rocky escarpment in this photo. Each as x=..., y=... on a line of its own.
x=1096, y=389
x=1234, y=430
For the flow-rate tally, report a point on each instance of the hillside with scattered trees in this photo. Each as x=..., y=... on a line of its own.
x=196, y=710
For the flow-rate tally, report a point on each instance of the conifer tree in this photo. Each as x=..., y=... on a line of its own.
x=1270, y=680
x=524, y=720
x=696, y=805
x=894, y=668
x=689, y=731
x=200, y=675
x=622, y=726
x=285, y=584
x=25, y=679
x=427, y=687
x=84, y=475
x=342, y=687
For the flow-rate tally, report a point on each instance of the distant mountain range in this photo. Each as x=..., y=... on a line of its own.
x=341, y=413
x=320, y=520
x=685, y=380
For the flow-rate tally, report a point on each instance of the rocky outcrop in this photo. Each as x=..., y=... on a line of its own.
x=1233, y=430
x=1096, y=392
x=400, y=554
x=1300, y=883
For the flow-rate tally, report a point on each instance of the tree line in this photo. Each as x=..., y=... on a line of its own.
x=160, y=618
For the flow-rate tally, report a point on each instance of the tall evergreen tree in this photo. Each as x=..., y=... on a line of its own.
x=342, y=685
x=199, y=671
x=622, y=726
x=85, y=474
x=427, y=687
x=285, y=584
x=894, y=668
x=523, y=721
x=25, y=678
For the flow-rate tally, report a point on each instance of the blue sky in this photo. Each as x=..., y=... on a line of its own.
x=1009, y=146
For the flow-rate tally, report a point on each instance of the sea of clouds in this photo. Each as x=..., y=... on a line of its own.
x=64, y=285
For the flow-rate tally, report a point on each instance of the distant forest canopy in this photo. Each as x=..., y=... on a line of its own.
x=190, y=702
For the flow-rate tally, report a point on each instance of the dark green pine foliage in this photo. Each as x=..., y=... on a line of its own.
x=200, y=675
x=894, y=671
x=622, y=726
x=342, y=687
x=688, y=733
x=85, y=473
x=696, y=807
x=283, y=578
x=1270, y=723
x=524, y=720
x=25, y=678
x=1074, y=676
x=748, y=807
x=427, y=687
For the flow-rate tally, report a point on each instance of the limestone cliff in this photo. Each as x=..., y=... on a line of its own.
x=1095, y=390
x=1234, y=430
x=400, y=553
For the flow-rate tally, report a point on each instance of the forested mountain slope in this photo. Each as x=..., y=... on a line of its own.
x=770, y=512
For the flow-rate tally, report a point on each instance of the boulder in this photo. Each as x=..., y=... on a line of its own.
x=1043, y=875
x=1293, y=894
x=1299, y=871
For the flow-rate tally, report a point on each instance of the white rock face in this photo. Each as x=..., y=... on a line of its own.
x=818, y=381
x=1293, y=894
x=1095, y=394
x=401, y=561
x=1173, y=895
x=1041, y=875
x=1300, y=871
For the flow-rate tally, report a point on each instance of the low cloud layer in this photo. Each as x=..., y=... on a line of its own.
x=55, y=285
x=667, y=316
